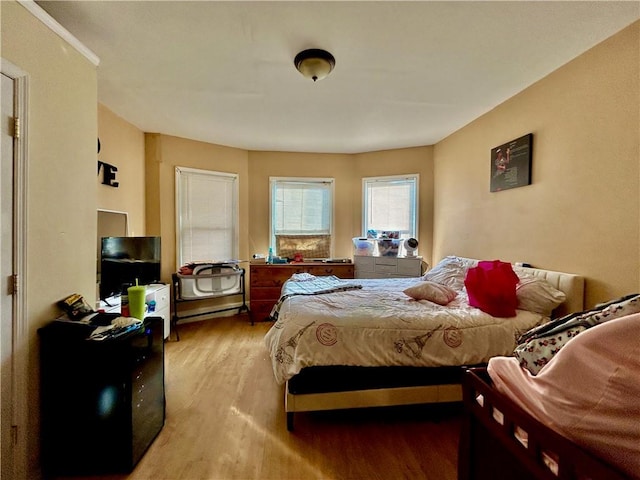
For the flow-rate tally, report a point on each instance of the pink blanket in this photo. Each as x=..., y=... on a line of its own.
x=589, y=392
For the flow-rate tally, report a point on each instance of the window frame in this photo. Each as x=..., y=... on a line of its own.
x=235, y=179
x=414, y=177
x=273, y=181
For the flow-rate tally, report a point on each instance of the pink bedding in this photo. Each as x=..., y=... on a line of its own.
x=589, y=392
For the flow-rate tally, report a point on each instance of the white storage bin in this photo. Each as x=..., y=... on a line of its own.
x=388, y=247
x=363, y=246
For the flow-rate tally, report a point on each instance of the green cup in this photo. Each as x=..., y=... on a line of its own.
x=137, y=301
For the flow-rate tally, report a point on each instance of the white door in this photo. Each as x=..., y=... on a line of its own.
x=6, y=281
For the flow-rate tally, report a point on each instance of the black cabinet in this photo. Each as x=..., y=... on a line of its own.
x=102, y=402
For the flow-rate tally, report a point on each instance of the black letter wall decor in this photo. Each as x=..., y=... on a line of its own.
x=108, y=172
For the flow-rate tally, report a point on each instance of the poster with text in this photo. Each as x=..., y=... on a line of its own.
x=511, y=164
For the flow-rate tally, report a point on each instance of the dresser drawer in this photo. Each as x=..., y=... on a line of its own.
x=260, y=309
x=386, y=261
x=410, y=267
x=386, y=269
x=364, y=264
x=275, y=275
x=267, y=276
x=265, y=293
x=342, y=271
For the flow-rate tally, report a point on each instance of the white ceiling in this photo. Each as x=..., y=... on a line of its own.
x=407, y=73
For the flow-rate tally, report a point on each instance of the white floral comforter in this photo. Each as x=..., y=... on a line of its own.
x=378, y=325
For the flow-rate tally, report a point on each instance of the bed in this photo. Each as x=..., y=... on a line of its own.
x=367, y=343
x=578, y=418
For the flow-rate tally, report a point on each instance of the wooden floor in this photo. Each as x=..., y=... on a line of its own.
x=225, y=420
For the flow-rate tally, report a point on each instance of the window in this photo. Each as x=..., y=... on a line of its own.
x=206, y=216
x=302, y=216
x=391, y=204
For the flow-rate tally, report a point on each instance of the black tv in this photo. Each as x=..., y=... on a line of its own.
x=125, y=260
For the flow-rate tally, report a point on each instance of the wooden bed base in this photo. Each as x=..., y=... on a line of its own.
x=343, y=387
x=490, y=449
x=380, y=397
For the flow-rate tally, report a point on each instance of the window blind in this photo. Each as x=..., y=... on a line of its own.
x=206, y=214
x=301, y=207
x=390, y=203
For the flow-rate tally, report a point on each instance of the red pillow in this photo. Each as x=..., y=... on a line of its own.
x=491, y=286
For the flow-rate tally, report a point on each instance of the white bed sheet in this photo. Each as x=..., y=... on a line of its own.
x=379, y=325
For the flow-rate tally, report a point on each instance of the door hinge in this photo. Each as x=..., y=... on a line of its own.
x=13, y=284
x=16, y=127
x=14, y=434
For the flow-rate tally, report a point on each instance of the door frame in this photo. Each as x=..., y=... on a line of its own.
x=20, y=328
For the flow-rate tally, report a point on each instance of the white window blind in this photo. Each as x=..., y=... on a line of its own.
x=301, y=206
x=206, y=215
x=391, y=203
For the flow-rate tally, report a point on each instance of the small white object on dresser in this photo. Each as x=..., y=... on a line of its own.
x=387, y=267
x=161, y=295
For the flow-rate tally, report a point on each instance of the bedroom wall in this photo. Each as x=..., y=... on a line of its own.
x=163, y=153
x=122, y=145
x=581, y=213
x=146, y=190
x=61, y=187
x=397, y=162
x=348, y=171
x=263, y=165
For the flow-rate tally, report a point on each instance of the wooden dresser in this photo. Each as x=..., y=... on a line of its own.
x=266, y=281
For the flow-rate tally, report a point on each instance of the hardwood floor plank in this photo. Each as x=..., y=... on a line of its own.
x=226, y=421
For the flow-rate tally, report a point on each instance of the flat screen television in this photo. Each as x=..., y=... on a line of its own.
x=125, y=260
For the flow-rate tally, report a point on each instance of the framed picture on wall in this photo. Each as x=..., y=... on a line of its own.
x=511, y=164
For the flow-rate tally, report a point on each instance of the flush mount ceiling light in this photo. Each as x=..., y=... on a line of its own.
x=314, y=63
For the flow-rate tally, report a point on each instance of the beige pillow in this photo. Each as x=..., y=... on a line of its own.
x=434, y=292
x=537, y=295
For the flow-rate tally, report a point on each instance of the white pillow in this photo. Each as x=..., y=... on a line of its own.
x=450, y=271
x=537, y=295
x=434, y=292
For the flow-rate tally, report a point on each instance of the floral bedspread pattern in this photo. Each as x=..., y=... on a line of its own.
x=378, y=325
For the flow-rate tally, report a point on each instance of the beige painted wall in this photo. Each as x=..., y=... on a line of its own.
x=581, y=213
x=397, y=162
x=163, y=154
x=263, y=165
x=61, y=188
x=122, y=145
x=348, y=171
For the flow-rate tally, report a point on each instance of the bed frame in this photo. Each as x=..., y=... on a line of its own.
x=333, y=388
x=489, y=447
